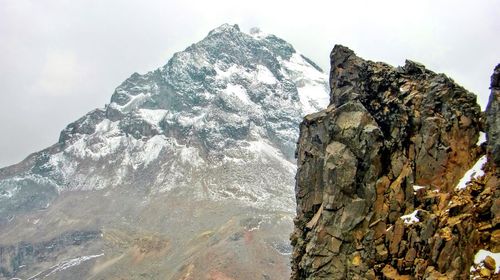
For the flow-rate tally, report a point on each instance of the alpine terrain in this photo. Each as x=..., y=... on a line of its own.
x=397, y=178
x=188, y=173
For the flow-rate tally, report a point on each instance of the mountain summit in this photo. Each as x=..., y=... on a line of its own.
x=188, y=173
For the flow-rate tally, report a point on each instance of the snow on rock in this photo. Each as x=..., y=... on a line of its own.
x=151, y=149
x=308, y=97
x=262, y=149
x=265, y=76
x=191, y=156
x=64, y=265
x=135, y=101
x=298, y=68
x=410, y=218
x=102, y=147
x=417, y=187
x=473, y=173
x=311, y=83
x=153, y=116
x=482, y=254
x=224, y=73
x=190, y=120
x=6, y=194
x=481, y=139
x=108, y=128
x=239, y=92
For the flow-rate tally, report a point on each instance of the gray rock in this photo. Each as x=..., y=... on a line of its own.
x=493, y=118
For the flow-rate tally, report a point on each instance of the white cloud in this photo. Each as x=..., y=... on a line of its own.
x=59, y=74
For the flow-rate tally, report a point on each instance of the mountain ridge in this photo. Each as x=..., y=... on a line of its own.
x=207, y=138
x=129, y=96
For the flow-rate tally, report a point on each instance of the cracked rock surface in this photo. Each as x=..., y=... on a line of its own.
x=377, y=177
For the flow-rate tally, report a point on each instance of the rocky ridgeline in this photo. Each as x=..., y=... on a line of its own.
x=378, y=170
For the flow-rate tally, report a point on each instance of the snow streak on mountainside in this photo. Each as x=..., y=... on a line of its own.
x=218, y=121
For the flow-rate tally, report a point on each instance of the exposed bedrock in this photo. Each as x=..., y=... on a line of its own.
x=377, y=176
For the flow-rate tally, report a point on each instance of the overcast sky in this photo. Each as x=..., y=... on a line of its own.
x=60, y=59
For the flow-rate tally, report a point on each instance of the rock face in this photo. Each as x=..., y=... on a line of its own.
x=186, y=174
x=493, y=117
x=377, y=176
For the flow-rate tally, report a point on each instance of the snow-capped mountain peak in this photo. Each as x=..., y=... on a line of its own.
x=231, y=101
x=198, y=153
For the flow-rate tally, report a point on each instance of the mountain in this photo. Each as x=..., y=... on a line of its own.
x=188, y=173
x=392, y=182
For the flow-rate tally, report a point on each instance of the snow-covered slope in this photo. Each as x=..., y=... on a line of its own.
x=219, y=120
x=198, y=153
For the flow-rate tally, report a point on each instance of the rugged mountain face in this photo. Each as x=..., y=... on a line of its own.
x=186, y=174
x=381, y=191
x=493, y=118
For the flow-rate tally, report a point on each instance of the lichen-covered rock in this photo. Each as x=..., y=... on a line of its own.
x=377, y=175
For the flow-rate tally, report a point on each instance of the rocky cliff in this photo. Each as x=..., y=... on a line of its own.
x=383, y=188
x=493, y=118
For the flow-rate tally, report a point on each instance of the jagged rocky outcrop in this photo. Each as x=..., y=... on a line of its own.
x=377, y=176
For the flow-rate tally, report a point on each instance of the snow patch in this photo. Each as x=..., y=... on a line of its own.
x=261, y=147
x=239, y=92
x=102, y=147
x=473, y=173
x=481, y=139
x=312, y=84
x=410, y=218
x=313, y=97
x=190, y=155
x=482, y=254
x=226, y=74
x=152, y=149
x=134, y=102
x=190, y=120
x=417, y=187
x=107, y=127
x=64, y=265
x=152, y=116
x=297, y=67
x=265, y=76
